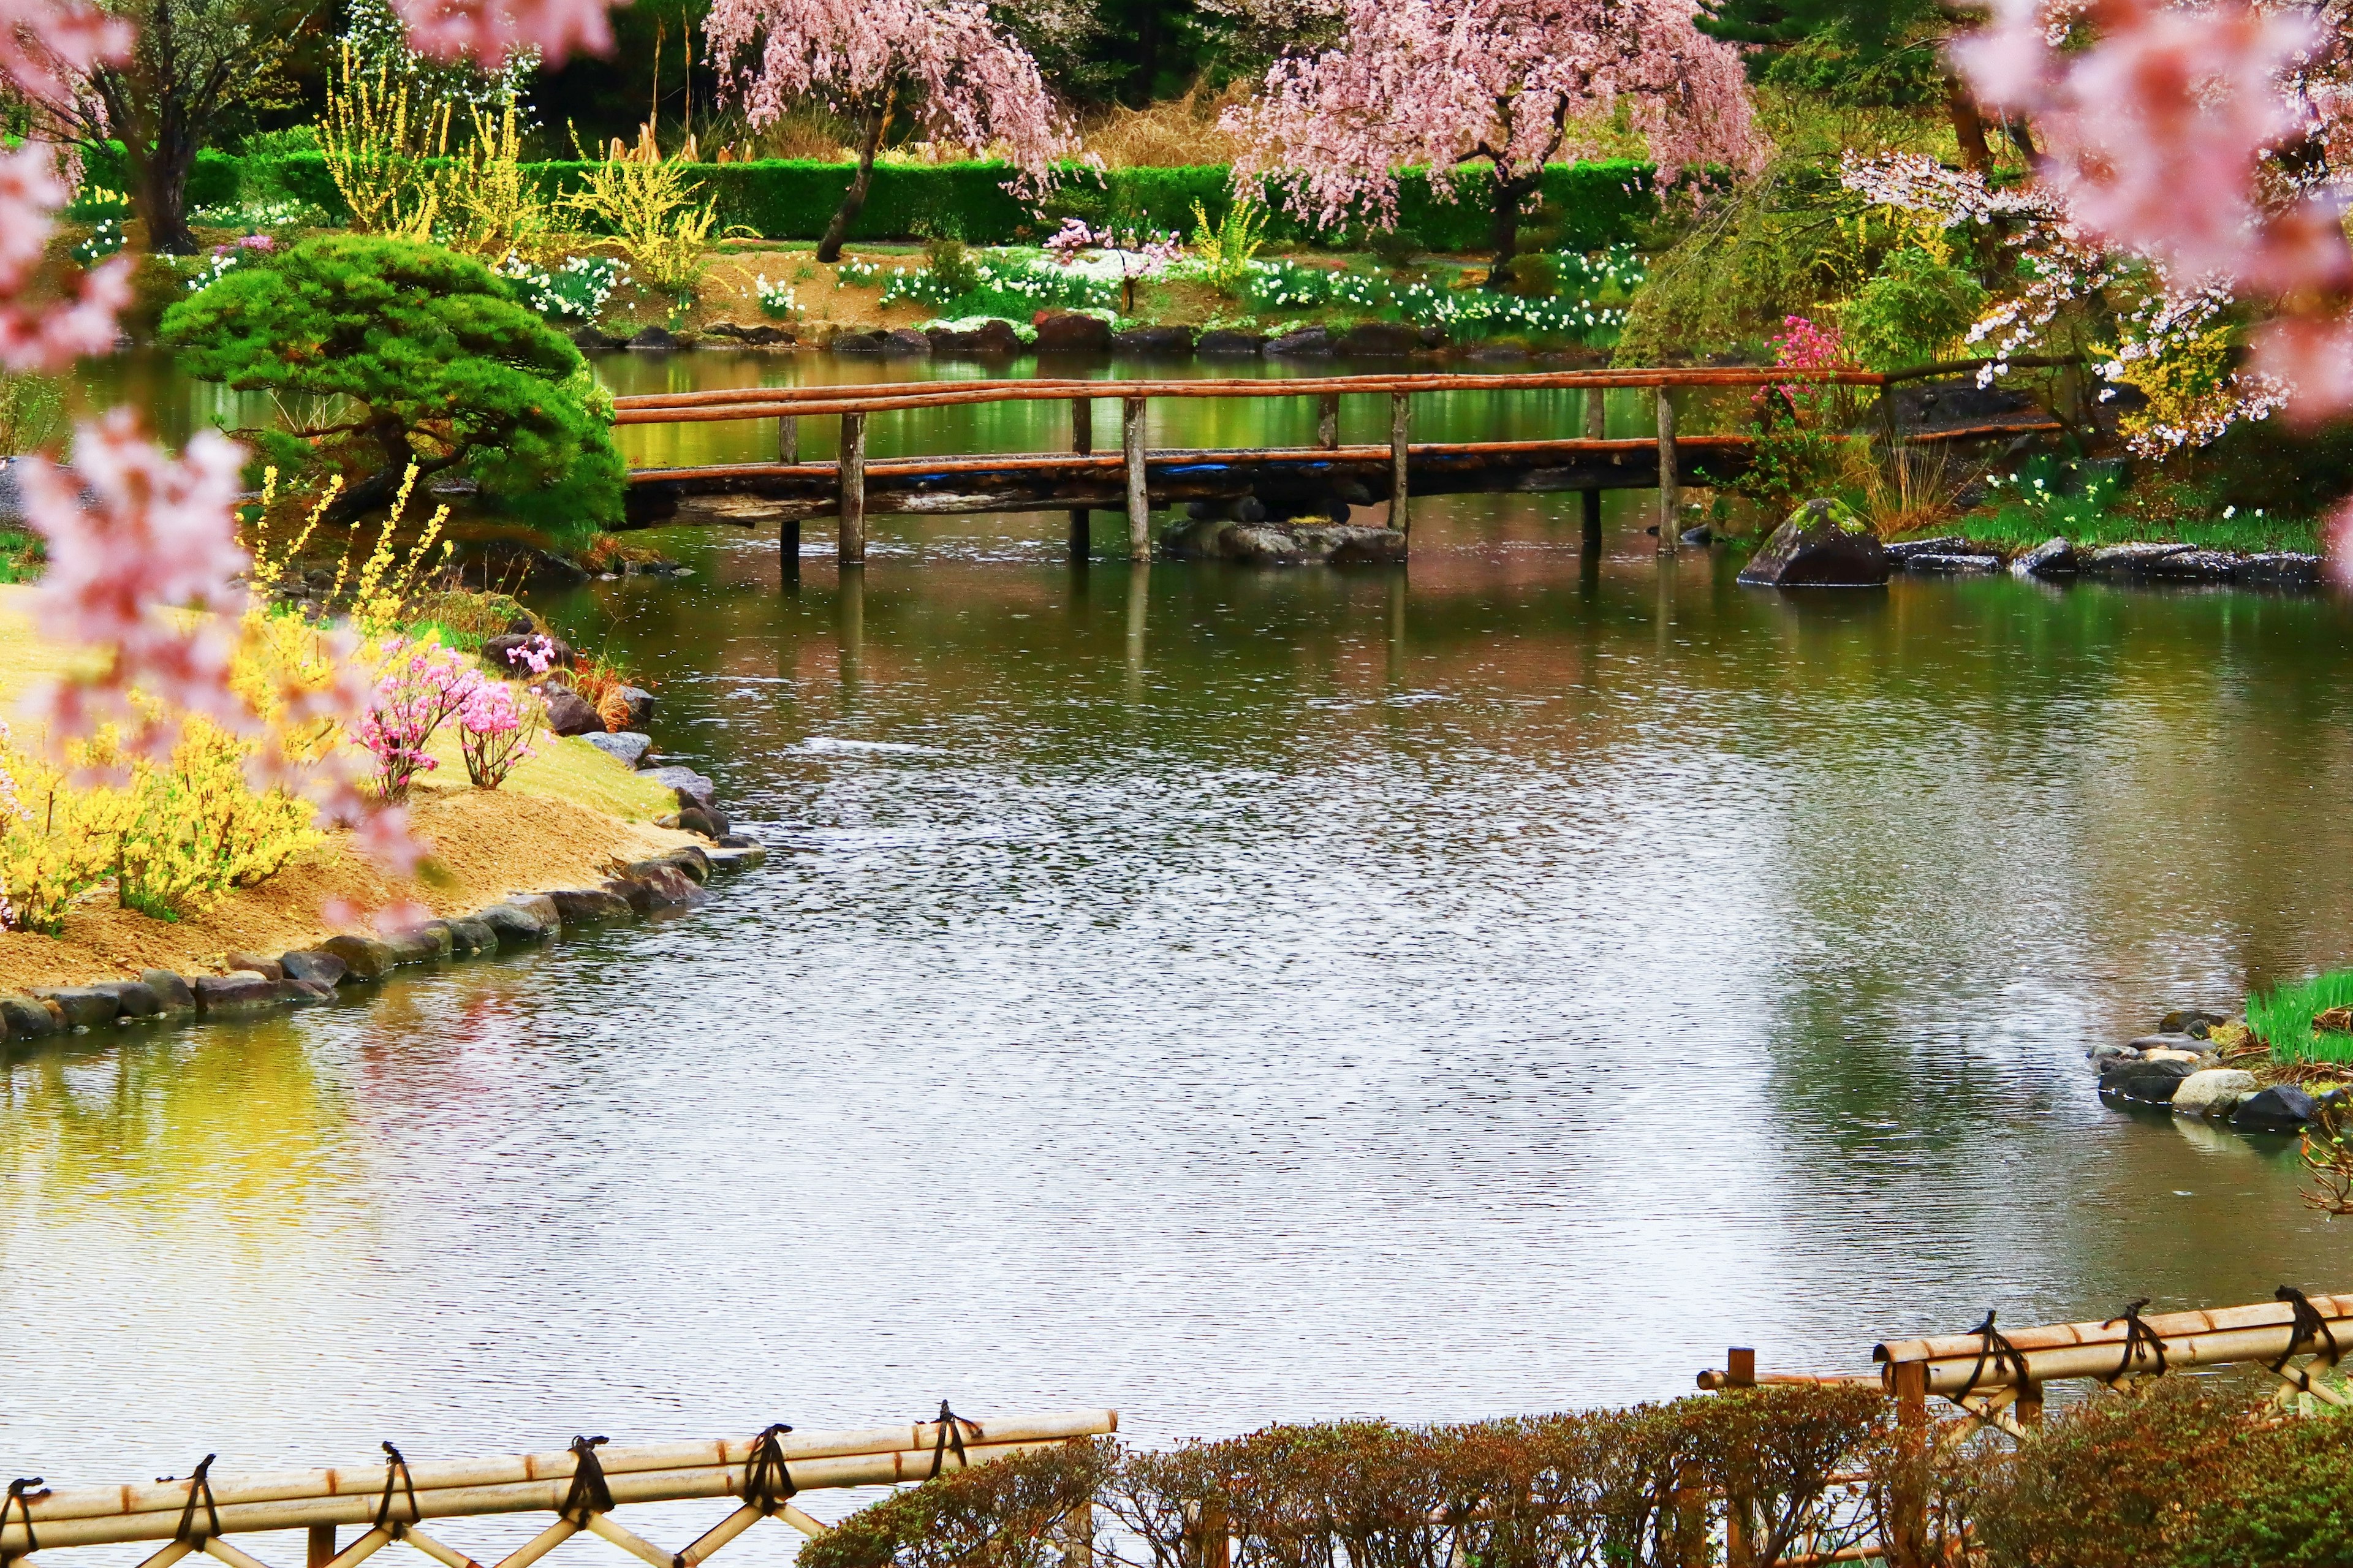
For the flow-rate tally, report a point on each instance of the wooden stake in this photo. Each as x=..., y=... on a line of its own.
x=789, y=439
x=1596, y=429
x=1670, y=491
x=322, y=1546
x=1400, y=428
x=1082, y=441
x=1079, y=1537
x=1910, y=1523
x=788, y=549
x=1327, y=421
x=1739, y=1372
x=851, y=551
x=1139, y=504
x=2030, y=1405
x=1215, y=1553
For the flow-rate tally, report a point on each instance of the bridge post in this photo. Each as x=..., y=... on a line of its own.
x=1139, y=501
x=1082, y=442
x=788, y=440
x=320, y=1549
x=1400, y=428
x=1596, y=429
x=788, y=549
x=1327, y=421
x=851, y=551
x=1669, y=490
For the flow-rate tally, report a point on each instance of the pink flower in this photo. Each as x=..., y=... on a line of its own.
x=491, y=30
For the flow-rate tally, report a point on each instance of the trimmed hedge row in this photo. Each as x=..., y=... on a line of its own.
x=1598, y=204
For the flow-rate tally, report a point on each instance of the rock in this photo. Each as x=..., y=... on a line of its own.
x=315, y=965
x=25, y=1019
x=1943, y=545
x=691, y=788
x=2166, y=1040
x=690, y=859
x=2194, y=1058
x=256, y=963
x=2278, y=569
x=2193, y=566
x=364, y=958
x=170, y=990
x=634, y=894
x=695, y=819
x=497, y=653
x=1378, y=340
x=1154, y=341
x=1305, y=343
x=569, y=713
x=2150, y=1083
x=2107, y=1048
x=1823, y=545
x=2282, y=1107
x=304, y=991
x=2126, y=560
x=420, y=946
x=588, y=906
x=725, y=857
x=132, y=998
x=471, y=937
x=1223, y=342
x=514, y=926
x=1932, y=564
x=627, y=748
x=673, y=888
x=1067, y=333
x=1497, y=354
x=873, y=341
x=990, y=340
x=2194, y=1022
x=1282, y=544
x=1702, y=534
x=768, y=335
x=1944, y=404
x=903, y=341
x=2053, y=557
x=640, y=703
x=238, y=991
x=654, y=338
x=84, y=1006
x=2213, y=1090
x=590, y=338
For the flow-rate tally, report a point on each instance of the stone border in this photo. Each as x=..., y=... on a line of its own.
x=2142, y=565
x=2180, y=1068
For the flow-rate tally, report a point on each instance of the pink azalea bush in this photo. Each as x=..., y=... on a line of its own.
x=496, y=727
x=420, y=686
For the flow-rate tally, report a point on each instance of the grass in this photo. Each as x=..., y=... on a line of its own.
x=2282, y=1018
x=2021, y=528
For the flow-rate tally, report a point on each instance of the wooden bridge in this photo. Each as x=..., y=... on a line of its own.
x=1137, y=478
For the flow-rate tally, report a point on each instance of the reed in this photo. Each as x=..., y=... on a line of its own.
x=2285, y=1019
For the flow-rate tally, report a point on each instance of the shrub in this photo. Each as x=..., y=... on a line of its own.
x=496, y=727
x=2289, y=1504
x=653, y=207
x=419, y=687
x=440, y=369
x=1913, y=311
x=1002, y=1514
x=575, y=291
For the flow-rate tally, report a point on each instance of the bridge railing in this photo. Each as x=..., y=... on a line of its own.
x=581, y=1486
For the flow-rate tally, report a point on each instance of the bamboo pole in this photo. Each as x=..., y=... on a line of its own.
x=320, y=1547
x=1082, y=444
x=2213, y=1337
x=1909, y=1521
x=1400, y=431
x=1670, y=491
x=1139, y=502
x=852, y=550
x=1327, y=420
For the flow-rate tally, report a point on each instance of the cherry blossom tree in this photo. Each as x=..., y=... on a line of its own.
x=1442, y=84
x=944, y=64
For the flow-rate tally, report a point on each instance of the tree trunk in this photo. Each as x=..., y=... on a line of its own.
x=160, y=180
x=853, y=201
x=1968, y=125
x=1509, y=194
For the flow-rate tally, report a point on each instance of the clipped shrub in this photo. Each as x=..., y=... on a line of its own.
x=2289, y=1504
x=1003, y=1514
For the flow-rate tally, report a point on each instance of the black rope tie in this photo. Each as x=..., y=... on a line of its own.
x=21, y=1493
x=589, y=1494
x=2310, y=1329
x=2139, y=1336
x=1994, y=1347
x=767, y=1482
x=200, y=1484
x=395, y=1469
x=952, y=1427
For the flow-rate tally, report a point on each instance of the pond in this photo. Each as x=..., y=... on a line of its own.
x=1230, y=995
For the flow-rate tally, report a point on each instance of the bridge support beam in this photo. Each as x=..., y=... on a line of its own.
x=1082, y=442
x=1400, y=432
x=1670, y=501
x=1139, y=503
x=851, y=551
x=788, y=440
x=1596, y=429
x=1328, y=422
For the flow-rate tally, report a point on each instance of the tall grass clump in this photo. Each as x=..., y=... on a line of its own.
x=2282, y=1018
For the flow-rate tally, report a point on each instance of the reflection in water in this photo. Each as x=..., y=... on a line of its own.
x=1231, y=994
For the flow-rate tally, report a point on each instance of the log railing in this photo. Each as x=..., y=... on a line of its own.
x=581, y=1487
x=854, y=405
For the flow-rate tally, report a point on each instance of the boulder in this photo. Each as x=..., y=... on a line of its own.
x=2168, y=1040
x=2278, y=569
x=2196, y=1058
x=315, y=966
x=365, y=957
x=627, y=748
x=590, y=338
x=540, y=907
x=990, y=340
x=170, y=990
x=512, y=926
x=2213, y=1090
x=872, y=342
x=670, y=887
x=2282, y=1107
x=2150, y=1083
x=1943, y=545
x=695, y=819
x=640, y=704
x=471, y=937
x=256, y=963
x=1069, y=333
x=1308, y=343
x=2194, y=1022
x=654, y=338
x=301, y=993
x=690, y=859
x=1823, y=545
x=84, y=1006
x=1223, y=342
x=134, y=998
x=1701, y=535
x=1154, y=341
x=569, y=713
x=2107, y=1048
x=1379, y=340
x=2193, y=566
x=1935, y=564
x=238, y=991
x=588, y=906
x=2126, y=560
x=901, y=342
x=2052, y=558
x=691, y=788
x=428, y=944
x=24, y=1019
x=1311, y=541
x=736, y=857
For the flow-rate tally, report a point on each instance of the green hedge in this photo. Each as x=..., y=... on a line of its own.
x=1598, y=204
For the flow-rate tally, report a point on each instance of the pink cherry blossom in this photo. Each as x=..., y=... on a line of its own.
x=1437, y=84
x=491, y=30
x=47, y=335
